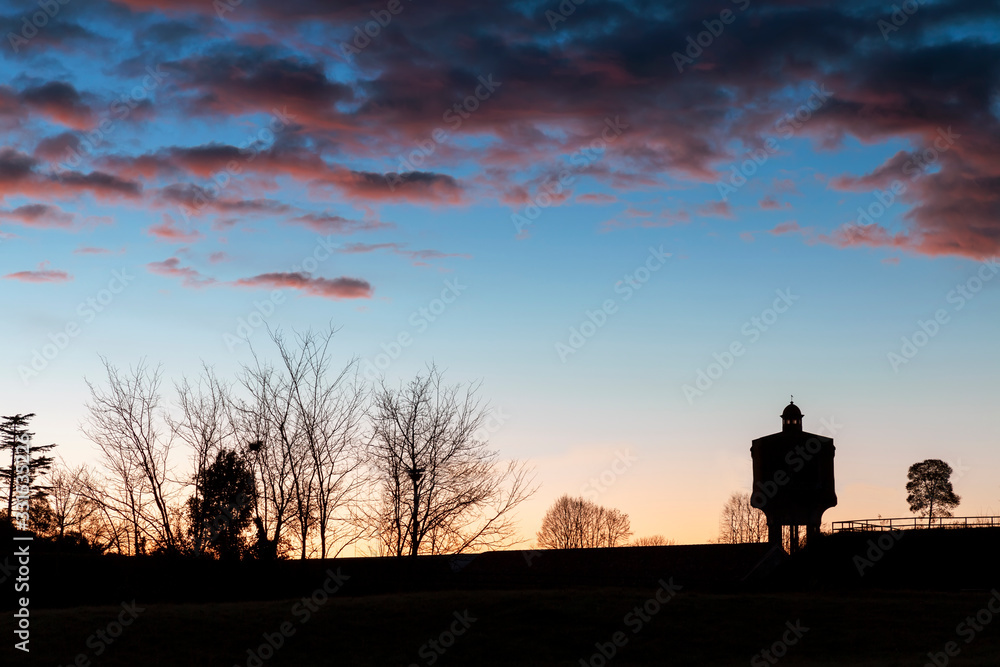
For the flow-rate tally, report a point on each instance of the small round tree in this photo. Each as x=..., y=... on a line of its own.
x=930, y=491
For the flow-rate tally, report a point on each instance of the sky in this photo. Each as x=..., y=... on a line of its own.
x=641, y=226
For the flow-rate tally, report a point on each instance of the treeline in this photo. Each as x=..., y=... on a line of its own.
x=291, y=458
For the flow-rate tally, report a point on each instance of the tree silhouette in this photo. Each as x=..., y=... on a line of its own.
x=124, y=423
x=304, y=418
x=225, y=506
x=652, y=541
x=576, y=523
x=13, y=432
x=71, y=508
x=930, y=491
x=741, y=522
x=440, y=488
x=263, y=548
x=205, y=424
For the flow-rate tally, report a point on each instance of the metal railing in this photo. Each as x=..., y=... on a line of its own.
x=914, y=523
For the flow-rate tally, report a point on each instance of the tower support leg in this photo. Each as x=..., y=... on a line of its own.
x=774, y=533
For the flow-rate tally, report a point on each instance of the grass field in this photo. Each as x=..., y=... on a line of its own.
x=527, y=628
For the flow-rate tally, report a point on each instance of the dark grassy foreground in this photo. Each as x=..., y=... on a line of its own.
x=527, y=627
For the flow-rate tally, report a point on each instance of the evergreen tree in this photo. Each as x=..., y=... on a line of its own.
x=224, y=510
x=13, y=432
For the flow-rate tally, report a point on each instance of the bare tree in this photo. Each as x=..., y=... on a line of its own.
x=304, y=421
x=577, y=523
x=652, y=541
x=114, y=524
x=123, y=423
x=71, y=507
x=100, y=528
x=205, y=424
x=615, y=528
x=740, y=522
x=328, y=411
x=440, y=489
x=265, y=427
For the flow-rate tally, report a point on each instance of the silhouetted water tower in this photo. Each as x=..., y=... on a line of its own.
x=793, y=478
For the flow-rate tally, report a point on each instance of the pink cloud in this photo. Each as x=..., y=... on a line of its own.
x=881, y=177
x=790, y=227
x=770, y=203
x=419, y=257
x=633, y=217
x=169, y=231
x=719, y=209
x=785, y=186
x=867, y=235
x=327, y=223
x=327, y=288
x=61, y=103
x=596, y=198
x=44, y=216
x=171, y=268
x=20, y=175
x=92, y=250
x=41, y=275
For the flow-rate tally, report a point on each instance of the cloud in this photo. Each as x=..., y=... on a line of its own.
x=57, y=147
x=42, y=275
x=20, y=174
x=97, y=182
x=867, y=235
x=61, y=102
x=362, y=128
x=596, y=198
x=14, y=166
x=172, y=268
x=327, y=223
x=716, y=208
x=207, y=160
x=414, y=186
x=168, y=231
x=250, y=80
x=790, y=227
x=63, y=35
x=633, y=217
x=196, y=200
x=335, y=288
x=44, y=216
x=170, y=33
x=881, y=177
x=419, y=257
x=769, y=203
